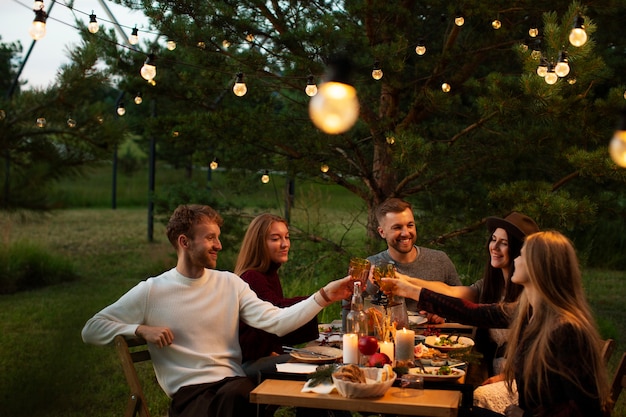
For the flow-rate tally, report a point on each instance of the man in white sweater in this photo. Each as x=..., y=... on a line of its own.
x=190, y=315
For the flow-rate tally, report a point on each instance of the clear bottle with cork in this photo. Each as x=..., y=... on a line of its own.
x=356, y=320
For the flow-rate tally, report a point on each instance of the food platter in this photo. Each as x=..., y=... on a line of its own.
x=317, y=354
x=431, y=374
x=458, y=342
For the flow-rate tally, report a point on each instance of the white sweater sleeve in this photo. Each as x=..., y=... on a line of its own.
x=122, y=317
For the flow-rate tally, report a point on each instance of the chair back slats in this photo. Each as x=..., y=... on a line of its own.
x=607, y=349
x=619, y=379
x=136, y=405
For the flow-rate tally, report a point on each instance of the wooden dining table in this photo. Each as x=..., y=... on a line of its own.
x=431, y=402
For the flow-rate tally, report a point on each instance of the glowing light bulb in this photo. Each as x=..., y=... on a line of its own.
x=152, y=82
x=41, y=122
x=562, y=66
x=175, y=134
x=213, y=165
x=240, y=88
x=551, y=77
x=335, y=108
x=459, y=21
x=138, y=98
x=311, y=88
x=93, y=23
x=201, y=45
x=133, y=39
x=170, y=45
x=265, y=178
x=445, y=87
x=121, y=110
x=578, y=35
x=148, y=70
x=533, y=32
x=571, y=80
x=71, y=122
x=390, y=140
x=100, y=119
x=250, y=37
x=496, y=24
x=420, y=49
x=542, y=68
x=377, y=73
x=38, y=28
x=617, y=146
x=324, y=168
x=225, y=44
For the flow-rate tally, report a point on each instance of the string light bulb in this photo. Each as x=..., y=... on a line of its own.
x=377, y=73
x=311, y=88
x=38, y=28
x=265, y=178
x=71, y=122
x=148, y=70
x=121, y=110
x=213, y=165
x=335, y=107
x=496, y=24
x=133, y=39
x=420, y=49
x=170, y=45
x=551, y=77
x=138, y=98
x=578, y=34
x=617, y=146
x=38, y=5
x=445, y=87
x=93, y=26
x=225, y=44
x=542, y=68
x=459, y=20
x=240, y=88
x=562, y=66
x=324, y=168
x=41, y=122
x=533, y=32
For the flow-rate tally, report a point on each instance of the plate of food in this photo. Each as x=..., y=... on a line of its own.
x=438, y=373
x=447, y=343
x=317, y=354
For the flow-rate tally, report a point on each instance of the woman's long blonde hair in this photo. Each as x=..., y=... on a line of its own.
x=253, y=254
x=553, y=269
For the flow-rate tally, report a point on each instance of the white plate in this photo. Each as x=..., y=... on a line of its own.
x=431, y=376
x=463, y=343
x=331, y=354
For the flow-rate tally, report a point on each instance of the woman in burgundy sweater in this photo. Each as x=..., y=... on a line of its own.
x=264, y=249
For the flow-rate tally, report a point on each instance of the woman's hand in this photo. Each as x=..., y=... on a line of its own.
x=339, y=289
x=402, y=288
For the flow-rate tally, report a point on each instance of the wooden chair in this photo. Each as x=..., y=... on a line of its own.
x=136, y=406
x=619, y=379
x=607, y=349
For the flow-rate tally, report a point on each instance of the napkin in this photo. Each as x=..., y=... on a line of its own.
x=296, y=367
x=325, y=387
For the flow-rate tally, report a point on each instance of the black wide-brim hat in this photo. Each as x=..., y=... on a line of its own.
x=516, y=224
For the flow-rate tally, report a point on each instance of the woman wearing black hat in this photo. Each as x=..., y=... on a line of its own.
x=506, y=237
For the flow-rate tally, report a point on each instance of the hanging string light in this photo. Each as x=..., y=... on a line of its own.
x=324, y=168
x=562, y=67
x=459, y=20
x=71, y=122
x=265, y=178
x=38, y=5
x=170, y=45
x=617, y=146
x=542, y=68
x=377, y=73
x=134, y=36
x=496, y=24
x=138, y=98
x=148, y=70
x=240, y=88
x=225, y=44
x=38, y=28
x=445, y=87
x=420, y=49
x=213, y=165
x=93, y=26
x=41, y=122
x=311, y=88
x=335, y=108
x=578, y=34
x=533, y=32
x=551, y=76
x=121, y=110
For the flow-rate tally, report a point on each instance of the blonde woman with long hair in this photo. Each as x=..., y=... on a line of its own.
x=553, y=353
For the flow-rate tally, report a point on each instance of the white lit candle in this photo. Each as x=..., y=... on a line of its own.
x=351, y=348
x=405, y=343
x=387, y=349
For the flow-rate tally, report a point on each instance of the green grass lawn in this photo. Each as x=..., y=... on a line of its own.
x=47, y=371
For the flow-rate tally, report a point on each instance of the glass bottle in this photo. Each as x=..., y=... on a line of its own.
x=356, y=321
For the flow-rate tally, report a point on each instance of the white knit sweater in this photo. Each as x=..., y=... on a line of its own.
x=203, y=315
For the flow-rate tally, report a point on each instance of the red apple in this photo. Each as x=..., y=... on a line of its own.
x=368, y=345
x=379, y=360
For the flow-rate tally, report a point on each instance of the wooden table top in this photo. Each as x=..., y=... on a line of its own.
x=433, y=403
